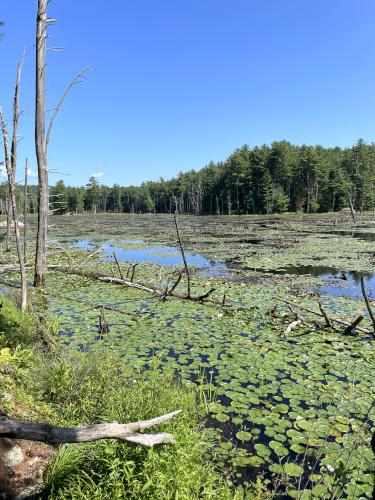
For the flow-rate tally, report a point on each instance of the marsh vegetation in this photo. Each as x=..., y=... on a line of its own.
x=284, y=414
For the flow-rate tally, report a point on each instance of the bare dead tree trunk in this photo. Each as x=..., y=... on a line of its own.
x=10, y=162
x=40, y=144
x=42, y=140
x=8, y=237
x=351, y=206
x=183, y=256
x=13, y=157
x=25, y=210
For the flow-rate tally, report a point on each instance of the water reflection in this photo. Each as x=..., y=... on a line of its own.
x=336, y=282
x=163, y=255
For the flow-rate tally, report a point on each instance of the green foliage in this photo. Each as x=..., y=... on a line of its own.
x=16, y=327
x=265, y=179
x=96, y=387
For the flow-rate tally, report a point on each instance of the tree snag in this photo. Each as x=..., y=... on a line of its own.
x=10, y=163
x=40, y=144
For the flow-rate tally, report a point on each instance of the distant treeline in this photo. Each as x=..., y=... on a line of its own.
x=263, y=180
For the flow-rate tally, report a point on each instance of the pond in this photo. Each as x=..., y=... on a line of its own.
x=288, y=408
x=161, y=255
x=336, y=282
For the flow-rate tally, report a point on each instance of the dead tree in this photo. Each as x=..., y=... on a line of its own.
x=351, y=207
x=25, y=210
x=13, y=156
x=42, y=139
x=103, y=323
x=10, y=163
x=40, y=143
x=180, y=244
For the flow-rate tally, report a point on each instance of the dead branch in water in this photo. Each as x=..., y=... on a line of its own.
x=353, y=325
x=333, y=320
x=125, y=432
x=290, y=327
x=118, y=265
x=325, y=316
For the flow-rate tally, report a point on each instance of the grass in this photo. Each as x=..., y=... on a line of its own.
x=72, y=388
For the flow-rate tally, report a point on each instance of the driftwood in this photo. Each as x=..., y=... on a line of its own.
x=56, y=435
x=290, y=327
x=298, y=320
x=333, y=320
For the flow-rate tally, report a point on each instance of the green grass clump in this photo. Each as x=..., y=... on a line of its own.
x=88, y=387
x=16, y=328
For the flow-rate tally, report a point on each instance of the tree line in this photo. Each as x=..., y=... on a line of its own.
x=278, y=178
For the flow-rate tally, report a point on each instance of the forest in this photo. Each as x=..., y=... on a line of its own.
x=263, y=180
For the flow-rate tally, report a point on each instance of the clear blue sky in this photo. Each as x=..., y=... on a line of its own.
x=177, y=83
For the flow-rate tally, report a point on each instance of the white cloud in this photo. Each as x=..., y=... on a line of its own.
x=3, y=171
x=31, y=173
x=97, y=174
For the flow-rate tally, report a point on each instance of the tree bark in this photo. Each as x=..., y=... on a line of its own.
x=40, y=145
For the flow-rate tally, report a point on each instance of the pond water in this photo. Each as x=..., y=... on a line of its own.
x=362, y=235
x=163, y=255
x=275, y=401
x=336, y=282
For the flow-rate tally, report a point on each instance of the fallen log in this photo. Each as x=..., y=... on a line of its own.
x=56, y=435
x=332, y=320
x=132, y=284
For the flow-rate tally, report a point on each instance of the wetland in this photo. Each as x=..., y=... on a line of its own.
x=296, y=411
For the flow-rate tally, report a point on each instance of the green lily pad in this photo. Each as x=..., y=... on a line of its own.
x=293, y=470
x=243, y=436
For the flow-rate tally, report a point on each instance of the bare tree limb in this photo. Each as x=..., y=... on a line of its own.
x=75, y=80
x=324, y=314
x=118, y=265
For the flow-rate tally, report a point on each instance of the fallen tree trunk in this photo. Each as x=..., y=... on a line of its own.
x=56, y=435
x=132, y=284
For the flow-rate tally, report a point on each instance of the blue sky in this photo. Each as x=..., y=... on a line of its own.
x=177, y=83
